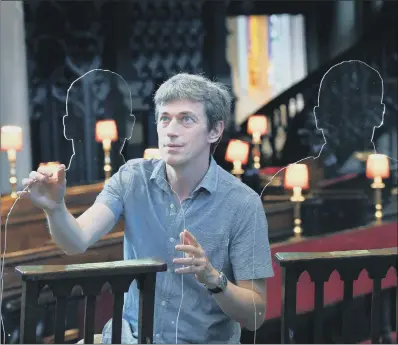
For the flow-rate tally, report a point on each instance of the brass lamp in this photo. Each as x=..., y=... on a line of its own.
x=378, y=168
x=152, y=153
x=52, y=166
x=297, y=179
x=257, y=126
x=238, y=154
x=11, y=142
x=106, y=133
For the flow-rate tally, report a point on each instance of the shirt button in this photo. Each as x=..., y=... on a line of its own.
x=171, y=239
x=163, y=303
x=172, y=205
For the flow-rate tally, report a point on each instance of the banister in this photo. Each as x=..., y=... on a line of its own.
x=295, y=105
x=319, y=266
x=316, y=76
x=91, y=277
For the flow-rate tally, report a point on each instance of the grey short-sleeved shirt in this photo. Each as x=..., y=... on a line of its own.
x=228, y=220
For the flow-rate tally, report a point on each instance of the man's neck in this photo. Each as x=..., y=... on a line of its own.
x=184, y=179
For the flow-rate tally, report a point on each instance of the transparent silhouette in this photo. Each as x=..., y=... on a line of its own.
x=341, y=134
x=123, y=141
x=74, y=130
x=365, y=113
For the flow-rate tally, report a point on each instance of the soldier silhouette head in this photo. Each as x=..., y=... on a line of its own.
x=350, y=106
x=95, y=82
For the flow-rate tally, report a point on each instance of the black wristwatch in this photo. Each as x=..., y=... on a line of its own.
x=222, y=284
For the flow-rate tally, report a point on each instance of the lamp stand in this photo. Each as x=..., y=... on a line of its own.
x=297, y=198
x=12, y=159
x=378, y=185
x=106, y=144
x=256, y=141
x=237, y=170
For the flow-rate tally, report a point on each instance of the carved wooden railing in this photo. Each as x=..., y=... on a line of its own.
x=61, y=279
x=349, y=265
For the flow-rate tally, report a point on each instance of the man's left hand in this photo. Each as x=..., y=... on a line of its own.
x=195, y=260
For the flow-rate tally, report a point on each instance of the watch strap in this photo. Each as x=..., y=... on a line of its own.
x=220, y=288
x=215, y=290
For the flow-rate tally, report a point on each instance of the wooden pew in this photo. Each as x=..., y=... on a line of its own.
x=27, y=227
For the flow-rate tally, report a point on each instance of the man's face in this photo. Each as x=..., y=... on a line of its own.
x=182, y=132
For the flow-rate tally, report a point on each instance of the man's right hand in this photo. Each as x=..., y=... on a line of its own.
x=46, y=188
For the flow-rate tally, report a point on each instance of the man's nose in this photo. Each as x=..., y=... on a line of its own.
x=172, y=134
x=172, y=128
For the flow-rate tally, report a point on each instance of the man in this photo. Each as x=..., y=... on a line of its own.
x=208, y=226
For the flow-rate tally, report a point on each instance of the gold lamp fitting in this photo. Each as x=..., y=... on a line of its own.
x=11, y=142
x=297, y=198
x=237, y=169
x=256, y=156
x=238, y=154
x=257, y=126
x=12, y=159
x=106, y=145
x=296, y=178
x=106, y=132
x=377, y=168
x=256, y=138
x=378, y=185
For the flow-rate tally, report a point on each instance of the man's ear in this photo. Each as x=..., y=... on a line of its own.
x=130, y=123
x=65, y=121
x=316, y=110
x=216, y=132
x=382, y=108
x=317, y=117
x=379, y=112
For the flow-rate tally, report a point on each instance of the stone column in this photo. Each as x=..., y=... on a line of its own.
x=215, y=63
x=14, y=88
x=346, y=27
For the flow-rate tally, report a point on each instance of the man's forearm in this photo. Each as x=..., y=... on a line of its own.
x=242, y=305
x=65, y=230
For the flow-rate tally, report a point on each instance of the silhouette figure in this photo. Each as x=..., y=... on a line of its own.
x=92, y=103
x=350, y=108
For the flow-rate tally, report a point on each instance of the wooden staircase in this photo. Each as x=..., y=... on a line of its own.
x=293, y=132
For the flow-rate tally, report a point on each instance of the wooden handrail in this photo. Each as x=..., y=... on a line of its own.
x=291, y=259
x=91, y=277
x=115, y=268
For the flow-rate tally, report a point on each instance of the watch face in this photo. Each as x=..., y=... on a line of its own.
x=223, y=281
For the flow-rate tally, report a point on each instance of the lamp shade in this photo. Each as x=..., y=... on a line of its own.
x=377, y=165
x=52, y=166
x=152, y=153
x=105, y=130
x=237, y=150
x=258, y=124
x=296, y=176
x=11, y=138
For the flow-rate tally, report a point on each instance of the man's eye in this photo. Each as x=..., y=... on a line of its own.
x=188, y=118
x=163, y=118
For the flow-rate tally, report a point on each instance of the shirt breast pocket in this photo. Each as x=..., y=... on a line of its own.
x=215, y=245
